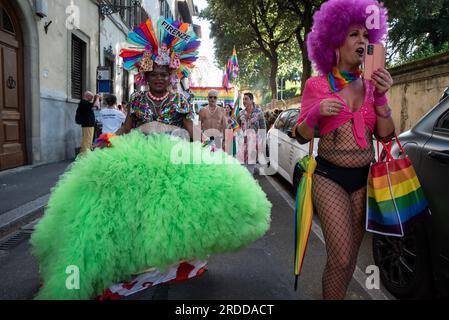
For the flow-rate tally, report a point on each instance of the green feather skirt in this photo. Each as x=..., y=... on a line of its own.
x=144, y=202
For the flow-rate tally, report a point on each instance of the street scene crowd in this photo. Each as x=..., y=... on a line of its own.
x=127, y=217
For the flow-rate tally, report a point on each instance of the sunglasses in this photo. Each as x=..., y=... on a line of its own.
x=213, y=97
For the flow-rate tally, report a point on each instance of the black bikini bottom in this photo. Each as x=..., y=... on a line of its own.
x=350, y=179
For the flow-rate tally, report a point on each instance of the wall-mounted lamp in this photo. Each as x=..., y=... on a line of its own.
x=41, y=8
x=47, y=25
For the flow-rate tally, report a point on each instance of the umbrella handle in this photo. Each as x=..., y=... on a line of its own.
x=311, y=142
x=296, y=282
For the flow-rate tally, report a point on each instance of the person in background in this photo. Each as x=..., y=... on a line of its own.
x=250, y=120
x=228, y=110
x=87, y=119
x=213, y=119
x=271, y=120
x=110, y=117
x=97, y=108
x=124, y=107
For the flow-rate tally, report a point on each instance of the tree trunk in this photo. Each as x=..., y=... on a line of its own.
x=306, y=64
x=273, y=75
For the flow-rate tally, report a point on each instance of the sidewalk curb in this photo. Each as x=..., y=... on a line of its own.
x=23, y=168
x=22, y=215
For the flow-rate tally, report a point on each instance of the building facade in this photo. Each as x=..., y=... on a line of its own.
x=51, y=51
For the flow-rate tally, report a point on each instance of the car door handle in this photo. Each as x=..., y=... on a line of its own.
x=440, y=156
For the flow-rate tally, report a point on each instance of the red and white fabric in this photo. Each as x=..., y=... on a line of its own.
x=176, y=273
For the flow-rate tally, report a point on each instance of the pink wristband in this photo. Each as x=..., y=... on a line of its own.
x=386, y=116
x=380, y=100
x=313, y=117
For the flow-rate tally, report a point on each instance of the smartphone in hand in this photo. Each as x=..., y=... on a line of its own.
x=374, y=59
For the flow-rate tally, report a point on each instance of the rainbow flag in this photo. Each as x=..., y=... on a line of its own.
x=233, y=124
x=231, y=71
x=395, y=196
x=226, y=83
x=201, y=94
x=234, y=65
x=236, y=111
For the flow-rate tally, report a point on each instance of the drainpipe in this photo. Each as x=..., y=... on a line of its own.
x=99, y=44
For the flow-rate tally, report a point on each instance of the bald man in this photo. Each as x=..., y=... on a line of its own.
x=213, y=119
x=87, y=119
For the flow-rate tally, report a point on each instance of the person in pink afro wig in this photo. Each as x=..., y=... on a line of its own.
x=330, y=25
x=348, y=110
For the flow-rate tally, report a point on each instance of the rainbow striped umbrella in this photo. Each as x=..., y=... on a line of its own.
x=303, y=210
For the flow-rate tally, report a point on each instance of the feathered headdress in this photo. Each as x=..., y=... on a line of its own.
x=173, y=43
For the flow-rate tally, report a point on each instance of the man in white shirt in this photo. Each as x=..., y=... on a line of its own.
x=110, y=117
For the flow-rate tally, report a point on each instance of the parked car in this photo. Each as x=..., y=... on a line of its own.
x=289, y=151
x=417, y=265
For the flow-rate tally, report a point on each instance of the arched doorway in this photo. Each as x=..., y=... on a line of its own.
x=12, y=111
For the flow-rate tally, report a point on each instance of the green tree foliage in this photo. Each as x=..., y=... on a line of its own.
x=264, y=33
x=301, y=16
x=418, y=28
x=259, y=30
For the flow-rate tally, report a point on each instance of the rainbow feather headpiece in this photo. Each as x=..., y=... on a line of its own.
x=171, y=43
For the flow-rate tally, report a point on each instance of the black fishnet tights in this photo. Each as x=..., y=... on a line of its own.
x=342, y=219
x=342, y=215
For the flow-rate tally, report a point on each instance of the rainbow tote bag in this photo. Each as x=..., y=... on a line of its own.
x=395, y=198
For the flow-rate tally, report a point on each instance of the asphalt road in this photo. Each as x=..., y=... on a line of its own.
x=261, y=271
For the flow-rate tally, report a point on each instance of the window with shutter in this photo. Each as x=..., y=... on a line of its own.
x=129, y=17
x=78, y=64
x=125, y=86
x=165, y=9
x=136, y=16
x=122, y=11
x=110, y=63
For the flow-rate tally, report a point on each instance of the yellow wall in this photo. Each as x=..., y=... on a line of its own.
x=417, y=88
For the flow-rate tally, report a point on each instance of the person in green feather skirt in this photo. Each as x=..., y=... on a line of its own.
x=144, y=205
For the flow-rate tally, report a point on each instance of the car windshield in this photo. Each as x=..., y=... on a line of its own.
x=292, y=119
x=281, y=121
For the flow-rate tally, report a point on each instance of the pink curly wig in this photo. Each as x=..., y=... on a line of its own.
x=331, y=24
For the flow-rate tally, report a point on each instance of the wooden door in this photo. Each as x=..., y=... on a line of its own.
x=12, y=135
